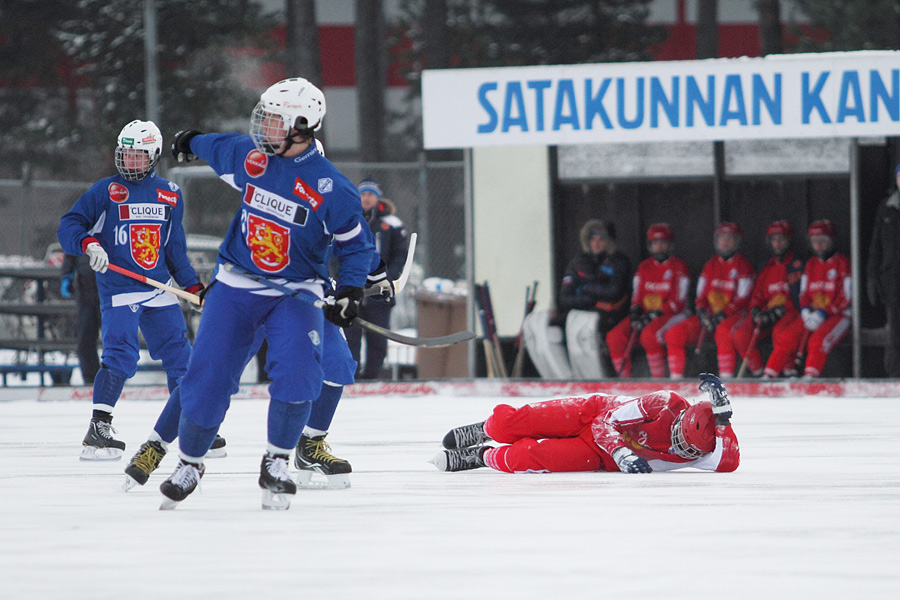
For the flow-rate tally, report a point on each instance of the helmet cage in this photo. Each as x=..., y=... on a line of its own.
x=268, y=129
x=680, y=444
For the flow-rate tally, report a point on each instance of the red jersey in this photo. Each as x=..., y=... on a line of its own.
x=661, y=285
x=777, y=283
x=725, y=285
x=644, y=426
x=826, y=284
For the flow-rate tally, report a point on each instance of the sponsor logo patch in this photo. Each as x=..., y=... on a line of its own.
x=275, y=205
x=269, y=243
x=145, y=243
x=308, y=194
x=117, y=192
x=325, y=185
x=255, y=164
x=170, y=198
x=152, y=212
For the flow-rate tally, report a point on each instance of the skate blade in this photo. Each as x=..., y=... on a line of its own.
x=129, y=483
x=94, y=453
x=273, y=501
x=331, y=482
x=168, y=504
x=217, y=453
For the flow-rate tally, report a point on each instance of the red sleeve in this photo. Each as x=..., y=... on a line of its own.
x=731, y=450
x=703, y=282
x=743, y=288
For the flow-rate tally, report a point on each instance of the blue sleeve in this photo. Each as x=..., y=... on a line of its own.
x=76, y=224
x=176, y=249
x=353, y=244
x=222, y=151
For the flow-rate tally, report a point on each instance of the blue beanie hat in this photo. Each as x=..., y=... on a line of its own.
x=897, y=170
x=370, y=185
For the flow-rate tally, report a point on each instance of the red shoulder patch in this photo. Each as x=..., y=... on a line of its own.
x=117, y=192
x=255, y=164
x=308, y=194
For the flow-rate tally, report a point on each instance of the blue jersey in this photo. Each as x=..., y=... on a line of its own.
x=291, y=211
x=138, y=223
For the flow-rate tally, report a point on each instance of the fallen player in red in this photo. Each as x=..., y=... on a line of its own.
x=658, y=432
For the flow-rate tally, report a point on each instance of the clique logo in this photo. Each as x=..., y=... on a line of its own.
x=117, y=192
x=255, y=164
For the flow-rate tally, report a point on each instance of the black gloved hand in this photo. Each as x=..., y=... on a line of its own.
x=342, y=308
x=384, y=287
x=757, y=315
x=706, y=320
x=775, y=313
x=629, y=462
x=636, y=314
x=713, y=386
x=181, y=145
x=649, y=316
x=200, y=290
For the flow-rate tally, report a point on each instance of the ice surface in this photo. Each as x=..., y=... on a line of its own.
x=812, y=512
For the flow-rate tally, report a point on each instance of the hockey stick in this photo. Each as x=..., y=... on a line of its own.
x=519, y=363
x=747, y=352
x=436, y=342
x=627, y=357
x=700, y=340
x=400, y=282
x=800, y=359
x=152, y=282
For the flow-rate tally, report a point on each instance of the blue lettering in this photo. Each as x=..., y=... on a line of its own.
x=733, y=87
x=693, y=97
x=539, y=87
x=620, y=104
x=565, y=94
x=850, y=85
x=514, y=94
x=772, y=102
x=877, y=90
x=483, y=89
x=593, y=105
x=809, y=99
x=658, y=98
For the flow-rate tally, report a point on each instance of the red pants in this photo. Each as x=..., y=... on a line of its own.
x=787, y=338
x=742, y=335
x=563, y=428
x=686, y=335
x=649, y=337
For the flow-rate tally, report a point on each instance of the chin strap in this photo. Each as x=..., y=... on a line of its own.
x=291, y=141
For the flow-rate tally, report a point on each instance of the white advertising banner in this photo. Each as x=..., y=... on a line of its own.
x=838, y=94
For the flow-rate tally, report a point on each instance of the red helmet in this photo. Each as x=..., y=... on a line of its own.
x=660, y=231
x=780, y=227
x=823, y=227
x=694, y=431
x=729, y=227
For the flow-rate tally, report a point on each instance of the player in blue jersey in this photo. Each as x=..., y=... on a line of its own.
x=133, y=220
x=294, y=204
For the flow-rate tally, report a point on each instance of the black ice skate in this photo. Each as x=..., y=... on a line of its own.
x=463, y=459
x=180, y=484
x=314, y=456
x=99, y=443
x=465, y=436
x=147, y=460
x=275, y=481
x=217, y=450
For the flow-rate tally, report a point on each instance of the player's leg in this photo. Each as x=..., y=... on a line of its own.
x=822, y=341
x=786, y=337
x=119, y=363
x=313, y=454
x=678, y=338
x=725, y=353
x=526, y=456
x=294, y=331
x=617, y=341
x=653, y=341
x=224, y=340
x=551, y=419
x=379, y=313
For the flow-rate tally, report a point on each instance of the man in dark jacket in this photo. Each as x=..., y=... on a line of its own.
x=883, y=283
x=77, y=270
x=392, y=244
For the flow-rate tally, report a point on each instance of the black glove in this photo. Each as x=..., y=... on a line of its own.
x=649, y=316
x=706, y=320
x=629, y=462
x=181, y=145
x=636, y=314
x=713, y=386
x=384, y=287
x=342, y=308
x=775, y=313
x=758, y=316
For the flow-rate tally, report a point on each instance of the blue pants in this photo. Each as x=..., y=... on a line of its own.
x=225, y=338
x=163, y=328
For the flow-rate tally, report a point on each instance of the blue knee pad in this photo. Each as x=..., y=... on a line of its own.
x=286, y=422
x=108, y=386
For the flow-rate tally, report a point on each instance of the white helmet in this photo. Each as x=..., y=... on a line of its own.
x=291, y=103
x=139, y=135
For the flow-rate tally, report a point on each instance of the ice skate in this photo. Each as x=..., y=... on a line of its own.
x=275, y=481
x=217, y=450
x=99, y=443
x=180, y=484
x=143, y=463
x=465, y=436
x=463, y=459
x=314, y=456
